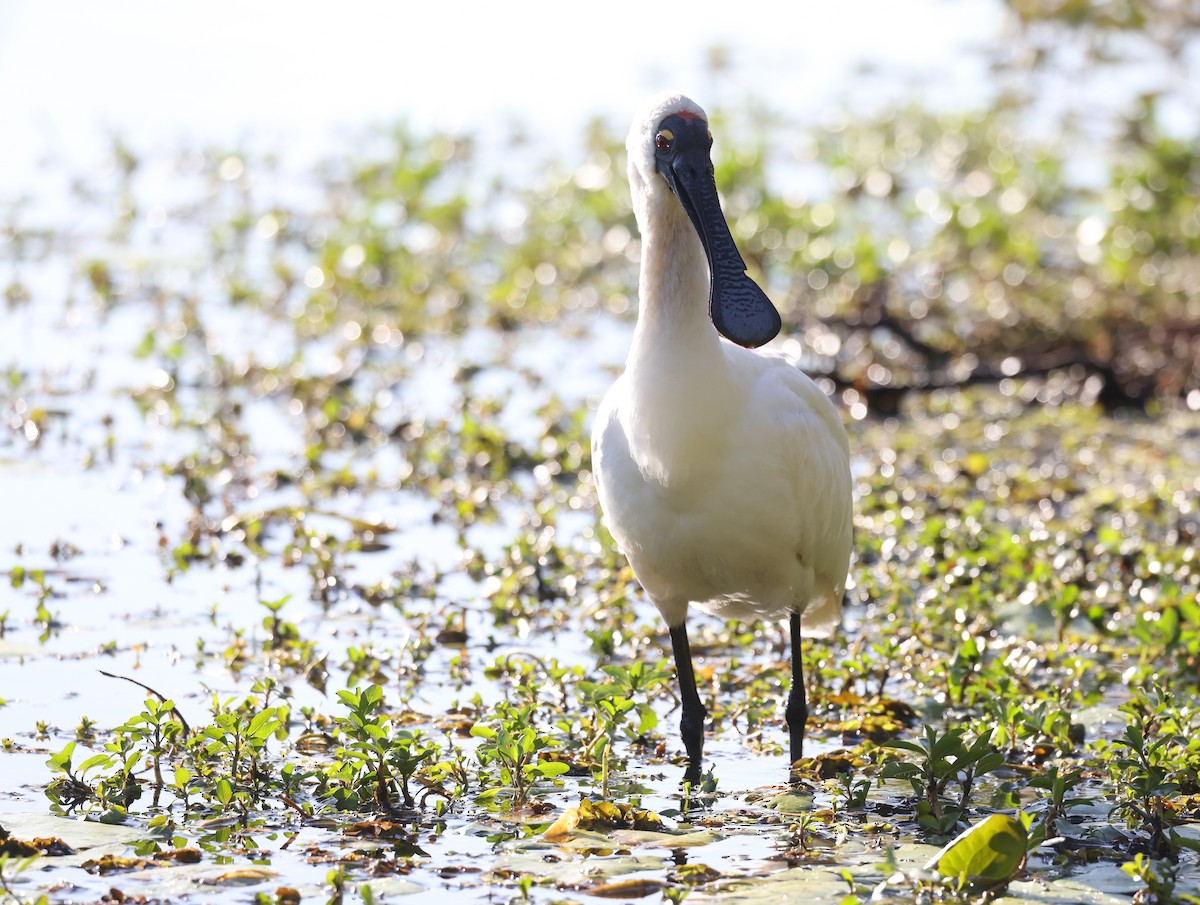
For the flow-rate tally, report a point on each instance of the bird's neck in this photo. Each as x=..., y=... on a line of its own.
x=680, y=391
x=673, y=291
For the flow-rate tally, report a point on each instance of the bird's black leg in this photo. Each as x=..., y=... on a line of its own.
x=691, y=726
x=797, y=705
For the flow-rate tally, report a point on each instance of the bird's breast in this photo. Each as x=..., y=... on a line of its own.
x=737, y=506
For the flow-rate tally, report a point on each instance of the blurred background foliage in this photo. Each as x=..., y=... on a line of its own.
x=1024, y=239
x=1040, y=236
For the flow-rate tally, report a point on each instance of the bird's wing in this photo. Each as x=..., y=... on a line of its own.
x=813, y=450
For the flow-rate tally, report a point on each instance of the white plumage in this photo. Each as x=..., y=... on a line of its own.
x=723, y=471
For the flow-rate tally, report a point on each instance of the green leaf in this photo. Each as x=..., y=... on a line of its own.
x=263, y=724
x=948, y=744
x=989, y=762
x=988, y=854
x=898, y=769
x=547, y=768
x=648, y=721
x=61, y=762
x=373, y=694
x=905, y=746
x=791, y=803
x=96, y=760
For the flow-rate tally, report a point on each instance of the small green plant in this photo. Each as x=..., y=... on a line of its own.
x=10, y=869
x=961, y=671
x=801, y=831
x=409, y=751
x=112, y=790
x=374, y=756
x=675, y=894
x=615, y=703
x=511, y=746
x=336, y=881
x=1057, y=802
x=51, y=623
x=851, y=897
x=943, y=760
x=154, y=731
x=524, y=886
x=1161, y=878
x=850, y=794
x=699, y=794
x=230, y=755
x=1143, y=775
x=280, y=632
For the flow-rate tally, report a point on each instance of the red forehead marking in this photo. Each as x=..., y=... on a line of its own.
x=687, y=115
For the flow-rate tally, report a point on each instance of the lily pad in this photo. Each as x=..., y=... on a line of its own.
x=76, y=833
x=800, y=884
x=573, y=872
x=791, y=803
x=393, y=886
x=1072, y=891
x=14, y=650
x=664, y=840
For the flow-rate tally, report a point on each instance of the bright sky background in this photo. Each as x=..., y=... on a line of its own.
x=303, y=74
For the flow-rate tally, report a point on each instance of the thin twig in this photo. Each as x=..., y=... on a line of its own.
x=187, y=730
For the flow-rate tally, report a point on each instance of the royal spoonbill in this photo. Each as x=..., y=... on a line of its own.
x=723, y=471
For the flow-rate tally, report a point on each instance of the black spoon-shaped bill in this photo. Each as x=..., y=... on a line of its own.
x=739, y=309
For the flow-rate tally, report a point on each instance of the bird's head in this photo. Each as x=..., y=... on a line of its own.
x=670, y=166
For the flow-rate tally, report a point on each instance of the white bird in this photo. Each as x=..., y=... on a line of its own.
x=723, y=471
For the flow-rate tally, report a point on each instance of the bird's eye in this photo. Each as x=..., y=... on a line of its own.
x=663, y=139
x=710, y=139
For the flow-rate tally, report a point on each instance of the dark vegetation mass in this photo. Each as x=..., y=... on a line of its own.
x=1009, y=314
